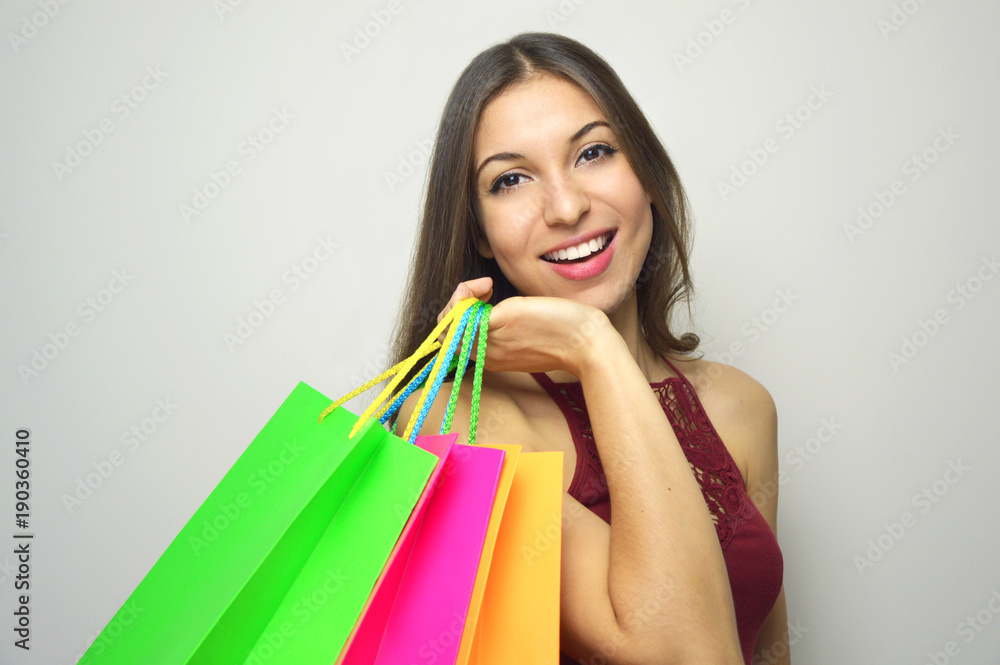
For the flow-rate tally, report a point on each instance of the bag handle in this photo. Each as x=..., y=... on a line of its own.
x=436, y=377
x=481, y=325
x=401, y=369
x=422, y=377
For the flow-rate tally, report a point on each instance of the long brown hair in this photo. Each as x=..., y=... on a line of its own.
x=446, y=253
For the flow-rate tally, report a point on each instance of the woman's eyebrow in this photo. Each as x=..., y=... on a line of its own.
x=516, y=155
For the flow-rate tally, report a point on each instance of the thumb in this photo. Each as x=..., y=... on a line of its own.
x=481, y=288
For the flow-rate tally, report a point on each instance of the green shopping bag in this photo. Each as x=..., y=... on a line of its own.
x=314, y=506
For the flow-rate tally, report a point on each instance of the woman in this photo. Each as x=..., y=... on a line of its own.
x=551, y=197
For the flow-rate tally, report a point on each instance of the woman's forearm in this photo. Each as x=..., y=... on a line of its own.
x=667, y=579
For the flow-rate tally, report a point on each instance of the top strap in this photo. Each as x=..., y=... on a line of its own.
x=679, y=374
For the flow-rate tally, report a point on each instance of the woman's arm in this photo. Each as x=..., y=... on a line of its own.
x=652, y=587
x=655, y=588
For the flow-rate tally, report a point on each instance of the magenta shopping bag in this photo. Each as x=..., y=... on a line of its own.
x=363, y=644
x=419, y=609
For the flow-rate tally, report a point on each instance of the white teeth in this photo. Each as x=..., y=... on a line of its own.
x=582, y=250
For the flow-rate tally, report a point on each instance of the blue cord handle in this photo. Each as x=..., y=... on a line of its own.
x=439, y=379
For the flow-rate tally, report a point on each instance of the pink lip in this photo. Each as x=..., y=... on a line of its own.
x=592, y=267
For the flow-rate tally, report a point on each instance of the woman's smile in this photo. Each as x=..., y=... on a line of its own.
x=583, y=261
x=576, y=250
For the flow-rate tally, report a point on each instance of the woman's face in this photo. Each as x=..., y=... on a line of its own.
x=564, y=213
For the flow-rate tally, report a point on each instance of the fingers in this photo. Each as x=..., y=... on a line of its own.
x=481, y=288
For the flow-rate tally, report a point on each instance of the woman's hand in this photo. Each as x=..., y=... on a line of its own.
x=537, y=334
x=481, y=288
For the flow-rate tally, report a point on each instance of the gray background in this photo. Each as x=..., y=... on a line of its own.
x=855, y=298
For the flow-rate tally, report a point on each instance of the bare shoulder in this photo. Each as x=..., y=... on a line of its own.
x=741, y=410
x=734, y=394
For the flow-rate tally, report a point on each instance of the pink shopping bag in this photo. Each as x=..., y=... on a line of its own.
x=363, y=643
x=419, y=610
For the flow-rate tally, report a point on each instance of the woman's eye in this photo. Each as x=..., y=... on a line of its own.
x=592, y=153
x=505, y=182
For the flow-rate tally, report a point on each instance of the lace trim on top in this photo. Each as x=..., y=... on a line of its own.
x=721, y=482
x=584, y=492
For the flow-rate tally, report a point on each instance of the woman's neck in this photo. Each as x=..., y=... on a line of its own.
x=625, y=320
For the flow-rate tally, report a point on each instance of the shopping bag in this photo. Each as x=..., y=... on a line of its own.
x=209, y=596
x=518, y=621
x=304, y=521
x=419, y=610
x=366, y=638
x=514, y=612
x=511, y=455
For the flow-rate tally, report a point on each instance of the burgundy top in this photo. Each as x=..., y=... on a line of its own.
x=753, y=558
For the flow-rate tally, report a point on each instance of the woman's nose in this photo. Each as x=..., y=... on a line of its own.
x=565, y=202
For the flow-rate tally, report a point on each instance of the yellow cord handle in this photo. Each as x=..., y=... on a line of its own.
x=458, y=310
x=401, y=369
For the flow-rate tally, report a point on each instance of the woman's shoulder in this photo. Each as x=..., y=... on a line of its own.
x=740, y=408
x=725, y=386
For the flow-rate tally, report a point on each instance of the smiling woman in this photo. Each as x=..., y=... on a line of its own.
x=551, y=197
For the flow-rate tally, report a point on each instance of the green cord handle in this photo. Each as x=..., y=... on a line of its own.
x=482, y=311
x=477, y=379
